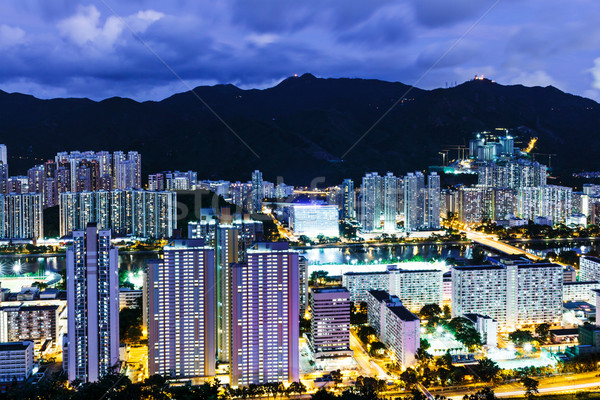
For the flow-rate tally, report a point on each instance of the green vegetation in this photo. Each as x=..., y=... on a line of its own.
x=520, y=337
x=130, y=325
x=566, y=257
x=30, y=249
x=304, y=324
x=464, y=331
x=542, y=332
x=320, y=278
x=358, y=314
x=531, y=387
x=432, y=313
x=486, y=370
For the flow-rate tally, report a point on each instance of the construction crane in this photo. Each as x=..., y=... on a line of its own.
x=461, y=150
x=544, y=154
x=444, y=154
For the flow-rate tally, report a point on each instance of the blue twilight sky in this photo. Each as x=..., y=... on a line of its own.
x=68, y=48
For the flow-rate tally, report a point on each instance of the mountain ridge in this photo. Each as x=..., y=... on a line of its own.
x=301, y=127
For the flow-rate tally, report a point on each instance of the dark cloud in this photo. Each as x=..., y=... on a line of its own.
x=79, y=48
x=435, y=13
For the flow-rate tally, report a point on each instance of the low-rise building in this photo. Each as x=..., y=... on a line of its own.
x=129, y=298
x=580, y=291
x=560, y=336
x=313, y=220
x=16, y=361
x=486, y=327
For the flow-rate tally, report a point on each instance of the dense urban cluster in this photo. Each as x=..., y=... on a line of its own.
x=224, y=308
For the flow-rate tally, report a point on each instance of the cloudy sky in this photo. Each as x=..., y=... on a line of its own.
x=140, y=48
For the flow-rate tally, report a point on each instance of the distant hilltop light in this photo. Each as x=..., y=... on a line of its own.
x=481, y=78
x=295, y=75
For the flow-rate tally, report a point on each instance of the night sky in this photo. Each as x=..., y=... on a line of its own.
x=64, y=48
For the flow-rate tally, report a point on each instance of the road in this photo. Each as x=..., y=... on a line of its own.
x=555, y=385
x=369, y=368
x=137, y=365
x=491, y=241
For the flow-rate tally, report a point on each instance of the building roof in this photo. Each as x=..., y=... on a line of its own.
x=478, y=267
x=540, y=265
x=474, y=316
x=581, y=283
x=416, y=270
x=25, y=307
x=574, y=305
x=15, y=346
x=336, y=289
x=564, y=332
x=591, y=328
x=380, y=295
x=403, y=313
x=367, y=273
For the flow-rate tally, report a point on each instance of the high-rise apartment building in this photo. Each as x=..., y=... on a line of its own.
x=415, y=288
x=348, y=199
x=359, y=283
x=93, y=305
x=580, y=291
x=421, y=202
x=3, y=154
x=257, y=194
x=182, y=311
x=21, y=216
x=545, y=201
x=371, y=204
x=512, y=174
x=126, y=212
x=37, y=323
x=330, y=322
x=227, y=253
x=432, y=201
x=265, y=316
x=303, y=283
x=390, y=202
